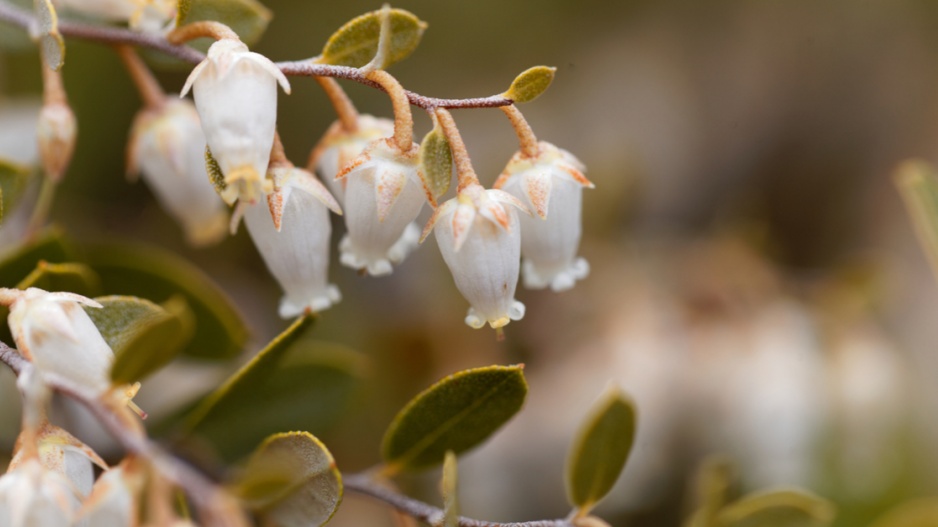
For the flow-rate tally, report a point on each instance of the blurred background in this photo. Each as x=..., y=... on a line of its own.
x=756, y=285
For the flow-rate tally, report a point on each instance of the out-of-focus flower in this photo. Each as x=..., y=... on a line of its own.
x=552, y=185
x=167, y=145
x=338, y=148
x=235, y=92
x=478, y=234
x=114, y=501
x=60, y=452
x=31, y=496
x=57, y=336
x=291, y=231
x=149, y=16
x=384, y=193
x=56, y=134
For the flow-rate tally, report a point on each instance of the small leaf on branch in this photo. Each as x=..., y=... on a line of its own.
x=248, y=18
x=291, y=481
x=917, y=513
x=71, y=277
x=457, y=413
x=293, y=382
x=436, y=161
x=530, y=84
x=779, y=508
x=148, y=272
x=600, y=450
x=144, y=336
x=356, y=43
x=50, y=41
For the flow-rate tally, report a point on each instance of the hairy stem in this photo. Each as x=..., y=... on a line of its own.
x=403, y=119
x=344, y=108
x=465, y=174
x=203, y=28
x=150, y=90
x=526, y=136
x=364, y=485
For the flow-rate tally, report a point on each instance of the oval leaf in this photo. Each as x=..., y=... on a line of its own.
x=248, y=18
x=356, y=43
x=70, y=277
x=530, y=84
x=779, y=508
x=144, y=336
x=436, y=161
x=918, y=513
x=292, y=383
x=455, y=414
x=291, y=480
x=600, y=450
x=156, y=274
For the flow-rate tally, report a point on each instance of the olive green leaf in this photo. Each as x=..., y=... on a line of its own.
x=13, y=178
x=436, y=162
x=51, y=43
x=294, y=382
x=158, y=275
x=711, y=490
x=248, y=18
x=917, y=513
x=600, y=450
x=356, y=43
x=778, y=508
x=448, y=489
x=457, y=413
x=291, y=480
x=530, y=84
x=144, y=336
x=71, y=277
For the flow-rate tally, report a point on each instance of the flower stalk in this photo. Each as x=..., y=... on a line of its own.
x=340, y=100
x=203, y=28
x=147, y=85
x=523, y=130
x=465, y=174
x=403, y=118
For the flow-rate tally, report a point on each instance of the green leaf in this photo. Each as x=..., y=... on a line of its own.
x=13, y=178
x=457, y=413
x=356, y=43
x=779, y=508
x=293, y=382
x=711, y=489
x=291, y=481
x=918, y=513
x=144, y=336
x=530, y=84
x=72, y=277
x=152, y=273
x=248, y=18
x=600, y=450
x=436, y=162
x=448, y=489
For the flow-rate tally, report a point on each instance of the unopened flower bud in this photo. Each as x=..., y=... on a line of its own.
x=551, y=184
x=480, y=240
x=235, y=92
x=56, y=134
x=384, y=193
x=53, y=331
x=339, y=147
x=167, y=145
x=291, y=231
x=148, y=16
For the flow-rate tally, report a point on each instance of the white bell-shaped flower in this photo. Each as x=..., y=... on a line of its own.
x=114, y=500
x=384, y=192
x=291, y=231
x=167, y=145
x=338, y=148
x=235, y=92
x=33, y=496
x=53, y=331
x=149, y=16
x=551, y=184
x=480, y=239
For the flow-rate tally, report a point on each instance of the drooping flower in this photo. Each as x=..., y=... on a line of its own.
x=480, y=239
x=149, y=16
x=291, y=231
x=167, y=145
x=114, y=500
x=339, y=147
x=235, y=92
x=552, y=185
x=384, y=193
x=58, y=337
